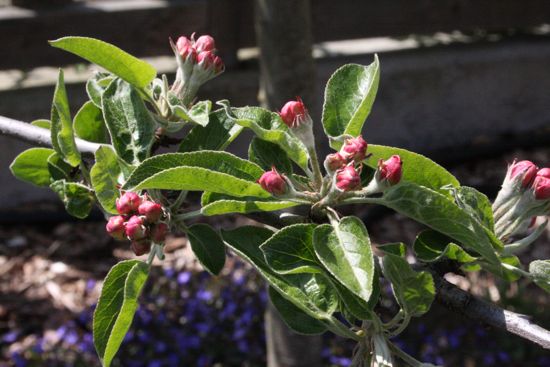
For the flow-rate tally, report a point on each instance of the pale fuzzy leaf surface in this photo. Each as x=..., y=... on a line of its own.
x=216, y=204
x=112, y=58
x=541, y=272
x=77, y=198
x=208, y=246
x=268, y=155
x=62, y=126
x=290, y=250
x=96, y=85
x=32, y=166
x=105, y=175
x=345, y=250
x=89, y=124
x=349, y=96
x=58, y=168
x=476, y=204
x=130, y=125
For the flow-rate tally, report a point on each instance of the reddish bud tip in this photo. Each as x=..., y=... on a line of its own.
x=115, y=227
x=135, y=228
x=128, y=203
x=541, y=186
x=355, y=148
x=348, y=179
x=151, y=210
x=334, y=162
x=205, y=43
x=273, y=182
x=525, y=170
x=293, y=113
x=141, y=247
x=218, y=65
x=158, y=232
x=391, y=169
x=184, y=46
x=544, y=172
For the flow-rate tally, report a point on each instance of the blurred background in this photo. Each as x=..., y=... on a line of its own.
x=464, y=82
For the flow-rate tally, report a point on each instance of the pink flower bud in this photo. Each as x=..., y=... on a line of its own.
x=158, y=232
x=128, y=203
x=151, y=210
x=184, y=46
x=218, y=65
x=273, y=182
x=348, y=179
x=294, y=113
x=115, y=227
x=391, y=169
x=141, y=247
x=525, y=171
x=544, y=172
x=541, y=185
x=206, y=59
x=135, y=228
x=334, y=162
x=355, y=148
x=205, y=43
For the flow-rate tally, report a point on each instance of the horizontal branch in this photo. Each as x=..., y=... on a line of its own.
x=477, y=309
x=38, y=136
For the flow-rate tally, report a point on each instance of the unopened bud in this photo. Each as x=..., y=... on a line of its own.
x=294, y=113
x=355, y=149
x=158, y=232
x=151, y=210
x=135, y=228
x=523, y=172
x=184, y=46
x=115, y=227
x=205, y=43
x=544, y=172
x=218, y=65
x=390, y=170
x=141, y=247
x=348, y=179
x=541, y=186
x=128, y=203
x=334, y=162
x=273, y=182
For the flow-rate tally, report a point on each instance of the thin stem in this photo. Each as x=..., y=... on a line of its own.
x=411, y=361
x=518, y=271
x=152, y=254
x=179, y=200
x=317, y=175
x=188, y=215
x=337, y=327
x=401, y=327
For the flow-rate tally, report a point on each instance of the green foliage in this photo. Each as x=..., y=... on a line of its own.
x=104, y=177
x=32, y=166
x=43, y=123
x=344, y=249
x=208, y=246
x=131, y=69
x=267, y=155
x=96, y=85
x=61, y=125
x=293, y=317
x=414, y=291
x=540, y=270
x=416, y=168
x=116, y=307
x=77, y=198
x=89, y=124
x=476, y=204
x=431, y=246
x=216, y=204
x=349, y=96
x=130, y=124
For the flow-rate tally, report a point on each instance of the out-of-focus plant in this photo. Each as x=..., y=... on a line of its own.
x=321, y=268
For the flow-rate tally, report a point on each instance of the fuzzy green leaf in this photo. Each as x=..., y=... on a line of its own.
x=32, y=166
x=431, y=246
x=216, y=204
x=89, y=124
x=77, y=198
x=267, y=155
x=105, y=176
x=208, y=246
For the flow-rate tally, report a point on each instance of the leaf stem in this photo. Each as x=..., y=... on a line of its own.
x=338, y=328
x=410, y=360
x=317, y=175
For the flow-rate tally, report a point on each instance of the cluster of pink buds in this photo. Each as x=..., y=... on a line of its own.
x=273, y=182
x=139, y=221
x=541, y=184
x=197, y=63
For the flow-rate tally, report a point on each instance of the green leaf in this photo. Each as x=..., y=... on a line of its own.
x=130, y=124
x=112, y=58
x=77, y=198
x=416, y=168
x=354, y=304
x=268, y=126
x=61, y=125
x=476, y=204
x=45, y=124
x=105, y=176
x=267, y=155
x=216, y=204
x=290, y=250
x=541, y=273
x=89, y=124
x=116, y=307
x=200, y=112
x=294, y=317
x=345, y=251
x=349, y=96
x=32, y=166
x=312, y=293
x=430, y=246
x=217, y=135
x=395, y=248
x=96, y=85
x=208, y=247
x=58, y=168
x=442, y=215
x=214, y=171
x=502, y=272
x=415, y=291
